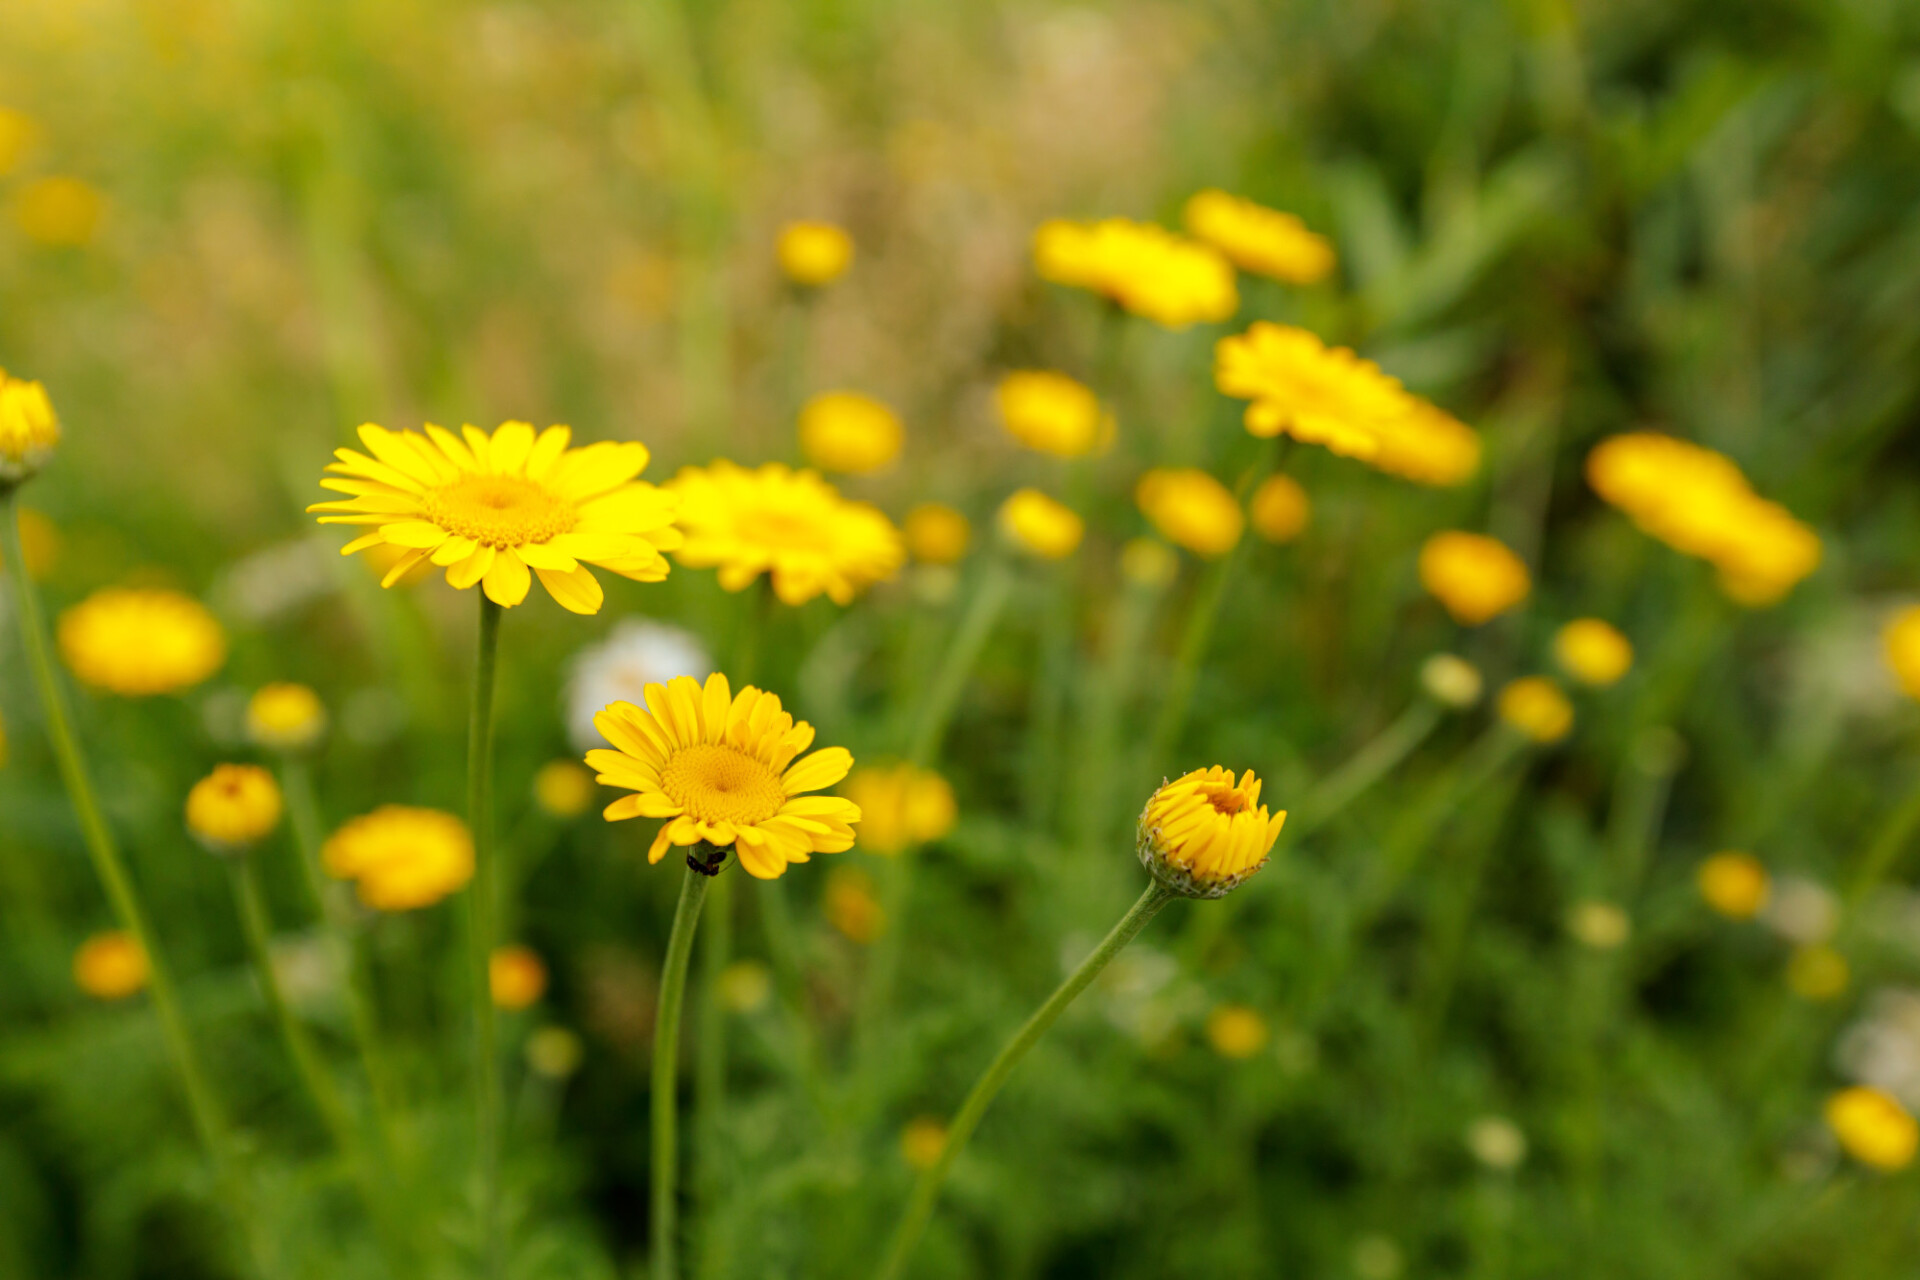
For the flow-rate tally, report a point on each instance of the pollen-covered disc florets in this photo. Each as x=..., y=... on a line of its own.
x=1203, y=833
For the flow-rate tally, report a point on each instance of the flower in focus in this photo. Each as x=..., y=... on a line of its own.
x=1592, y=651
x=1901, y=641
x=1600, y=925
x=1040, y=526
x=1497, y=1143
x=1314, y=393
x=922, y=1141
x=1255, y=238
x=401, y=858
x=851, y=907
x=1873, y=1128
x=1280, y=509
x=721, y=768
x=110, y=966
x=790, y=525
x=1817, y=972
x=516, y=977
x=554, y=1052
x=1052, y=413
x=1734, y=884
x=745, y=986
x=138, y=642
x=900, y=806
x=1235, y=1031
x=285, y=717
x=59, y=211
x=563, y=788
x=233, y=808
x=937, y=534
x=1149, y=562
x=635, y=654
x=29, y=429
x=1202, y=834
x=1148, y=270
x=1191, y=509
x=1476, y=577
x=16, y=133
x=849, y=432
x=814, y=253
x=1535, y=706
x=1451, y=681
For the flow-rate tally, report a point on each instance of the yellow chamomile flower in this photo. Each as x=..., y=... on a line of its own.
x=1817, y=972
x=1040, y=526
x=59, y=211
x=1203, y=834
x=1148, y=270
x=848, y=432
x=110, y=966
x=790, y=525
x=138, y=642
x=814, y=253
x=1150, y=563
x=1255, y=238
x=1902, y=647
x=937, y=534
x=233, y=808
x=17, y=129
x=516, y=977
x=1599, y=925
x=1476, y=577
x=722, y=768
x=285, y=717
x=851, y=907
x=1426, y=445
x=1235, y=1031
x=29, y=429
x=1316, y=394
x=1191, y=509
x=1873, y=1128
x=1734, y=884
x=1536, y=707
x=563, y=788
x=900, y=806
x=1592, y=651
x=1052, y=413
x=401, y=858
x=1280, y=509
x=922, y=1141
x=1452, y=681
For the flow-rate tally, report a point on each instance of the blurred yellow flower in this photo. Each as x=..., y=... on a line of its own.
x=922, y=1141
x=1592, y=651
x=16, y=133
x=900, y=806
x=1191, y=509
x=1148, y=270
x=137, y=641
x=851, y=907
x=233, y=808
x=1535, y=706
x=1476, y=577
x=1873, y=1128
x=495, y=510
x=721, y=768
x=110, y=966
x=1280, y=509
x=1203, y=834
x=1040, y=526
x=401, y=858
x=1255, y=238
x=563, y=788
x=1902, y=646
x=1734, y=884
x=1052, y=413
x=29, y=429
x=1817, y=972
x=790, y=525
x=554, y=1052
x=60, y=211
x=814, y=253
x=1451, y=681
x=937, y=534
x=39, y=543
x=1600, y=925
x=285, y=717
x=1426, y=445
x=1235, y=1031
x=1315, y=393
x=1149, y=562
x=516, y=977
x=745, y=986
x=849, y=432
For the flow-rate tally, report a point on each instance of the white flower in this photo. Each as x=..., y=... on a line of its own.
x=619, y=669
x=1802, y=911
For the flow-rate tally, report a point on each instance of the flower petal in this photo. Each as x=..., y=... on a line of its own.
x=507, y=581
x=577, y=592
x=821, y=769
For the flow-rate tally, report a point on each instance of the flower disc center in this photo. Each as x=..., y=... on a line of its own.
x=720, y=784
x=1226, y=801
x=500, y=511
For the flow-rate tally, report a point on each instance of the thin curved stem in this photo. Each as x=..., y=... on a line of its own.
x=480, y=910
x=663, y=1226
x=991, y=590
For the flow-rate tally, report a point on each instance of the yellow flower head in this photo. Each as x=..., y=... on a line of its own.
x=233, y=808
x=1235, y=1031
x=401, y=858
x=495, y=510
x=1149, y=562
x=110, y=966
x=563, y=789
x=1817, y=972
x=851, y=907
x=1451, y=681
x=29, y=430
x=814, y=253
x=900, y=806
x=937, y=534
x=1052, y=413
x=1191, y=509
x=1146, y=269
x=849, y=432
x=16, y=133
x=721, y=768
x=1734, y=884
x=285, y=717
x=59, y=211
x=1592, y=651
x=516, y=977
x=922, y=1141
x=137, y=642
x=1873, y=1128
x=1255, y=238
x=1280, y=509
x=1202, y=834
x=1039, y=526
x=1535, y=706
x=1902, y=647
x=790, y=525
x=1476, y=577
x=1426, y=445
x=1316, y=394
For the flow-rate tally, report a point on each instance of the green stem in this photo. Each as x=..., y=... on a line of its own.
x=1367, y=766
x=991, y=590
x=480, y=906
x=1888, y=843
x=926, y=1191
x=666, y=1062
x=710, y=1048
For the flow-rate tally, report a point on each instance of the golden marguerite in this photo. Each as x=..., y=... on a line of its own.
x=1148, y=270
x=1315, y=393
x=1535, y=706
x=110, y=966
x=1203, y=834
x=233, y=808
x=1052, y=413
x=900, y=806
x=1265, y=241
x=1041, y=526
x=790, y=525
x=849, y=432
x=1477, y=578
x=401, y=858
x=516, y=976
x=141, y=641
x=1735, y=884
x=1901, y=644
x=285, y=717
x=1593, y=651
x=29, y=429
x=814, y=253
x=1873, y=1127
x=937, y=533
x=1191, y=509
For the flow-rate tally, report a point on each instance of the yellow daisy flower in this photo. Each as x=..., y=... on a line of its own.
x=110, y=966
x=1315, y=393
x=516, y=977
x=1280, y=508
x=285, y=717
x=1148, y=270
x=814, y=253
x=721, y=767
x=1202, y=834
x=401, y=858
x=1191, y=509
x=138, y=642
x=1476, y=577
x=1735, y=884
x=495, y=510
x=234, y=807
x=937, y=534
x=29, y=429
x=1593, y=651
x=1264, y=241
x=1052, y=413
x=849, y=432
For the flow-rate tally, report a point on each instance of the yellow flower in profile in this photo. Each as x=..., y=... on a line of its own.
x=814, y=253
x=39, y=544
x=1426, y=445
x=1599, y=925
x=1235, y=1031
x=1148, y=270
x=516, y=977
x=1592, y=651
x=1255, y=238
x=900, y=806
x=1873, y=1128
x=110, y=966
x=495, y=510
x=937, y=534
x=1149, y=563
x=401, y=858
x=17, y=129
x=1203, y=834
x=1476, y=577
x=790, y=525
x=1817, y=972
x=1316, y=394
x=721, y=768
x=563, y=789
x=849, y=432
x=137, y=641
x=851, y=907
x=233, y=808
x=1901, y=641
x=1052, y=413
x=1280, y=509
x=1191, y=509
x=285, y=717
x=1734, y=884
x=59, y=211
x=922, y=1141
x=29, y=429
x=1040, y=526
x=1451, y=681
x=1535, y=706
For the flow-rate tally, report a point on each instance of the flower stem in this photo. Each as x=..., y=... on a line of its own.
x=926, y=1191
x=990, y=593
x=480, y=906
x=666, y=1065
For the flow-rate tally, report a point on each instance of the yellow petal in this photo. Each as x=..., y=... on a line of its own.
x=541, y=555
x=454, y=550
x=419, y=534
x=546, y=451
x=577, y=592
x=510, y=446
x=507, y=581
x=821, y=769
x=401, y=566
x=472, y=569
x=715, y=700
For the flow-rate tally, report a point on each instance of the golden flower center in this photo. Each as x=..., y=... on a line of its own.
x=500, y=511
x=720, y=784
x=1226, y=801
